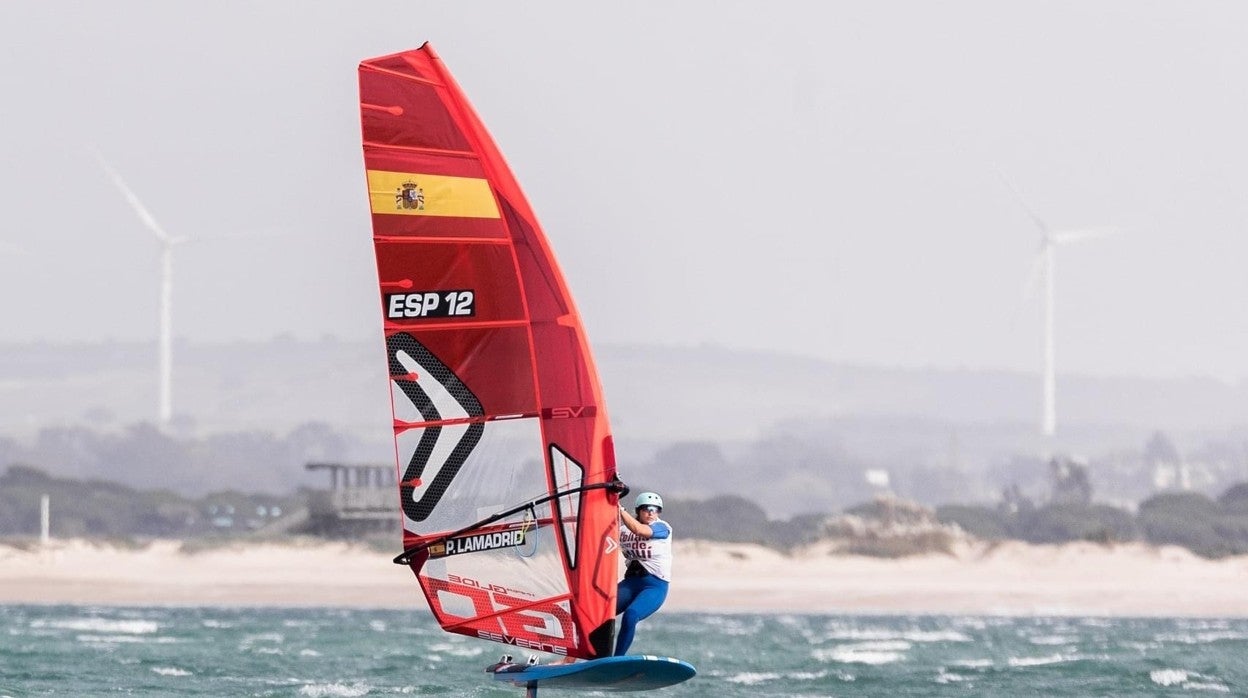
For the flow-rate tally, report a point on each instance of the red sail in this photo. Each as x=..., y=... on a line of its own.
x=504, y=452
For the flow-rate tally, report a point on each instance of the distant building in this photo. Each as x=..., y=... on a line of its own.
x=360, y=499
x=1069, y=478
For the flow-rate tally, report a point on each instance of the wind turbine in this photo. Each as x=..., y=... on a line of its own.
x=167, y=243
x=1043, y=268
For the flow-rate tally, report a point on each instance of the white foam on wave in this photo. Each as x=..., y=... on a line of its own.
x=974, y=663
x=123, y=639
x=334, y=689
x=100, y=625
x=1096, y=622
x=1187, y=680
x=1168, y=677
x=264, y=637
x=1202, y=623
x=734, y=626
x=378, y=626
x=257, y=643
x=1201, y=637
x=1040, y=661
x=210, y=623
x=910, y=635
x=753, y=678
x=170, y=671
x=944, y=676
x=874, y=653
x=1053, y=640
x=457, y=649
x=1207, y=686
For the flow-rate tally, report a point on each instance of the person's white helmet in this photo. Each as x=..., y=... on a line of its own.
x=648, y=499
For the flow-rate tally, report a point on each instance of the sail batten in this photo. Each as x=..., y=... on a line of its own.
x=493, y=387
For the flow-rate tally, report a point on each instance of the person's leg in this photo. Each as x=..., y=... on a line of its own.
x=624, y=594
x=645, y=602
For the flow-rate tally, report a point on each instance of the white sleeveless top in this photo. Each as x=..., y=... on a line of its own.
x=655, y=554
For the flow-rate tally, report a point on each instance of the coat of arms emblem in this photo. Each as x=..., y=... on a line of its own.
x=409, y=197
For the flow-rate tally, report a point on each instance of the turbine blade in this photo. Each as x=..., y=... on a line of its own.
x=139, y=208
x=1064, y=236
x=1021, y=201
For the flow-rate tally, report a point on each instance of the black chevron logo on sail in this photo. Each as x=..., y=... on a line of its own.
x=419, y=509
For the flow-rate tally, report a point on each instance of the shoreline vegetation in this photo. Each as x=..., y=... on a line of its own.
x=974, y=577
x=1180, y=554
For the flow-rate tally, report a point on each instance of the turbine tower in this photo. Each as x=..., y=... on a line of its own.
x=1043, y=267
x=167, y=243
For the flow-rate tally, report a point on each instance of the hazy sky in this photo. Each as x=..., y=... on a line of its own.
x=815, y=178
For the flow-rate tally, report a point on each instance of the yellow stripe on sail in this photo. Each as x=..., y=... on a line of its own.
x=411, y=194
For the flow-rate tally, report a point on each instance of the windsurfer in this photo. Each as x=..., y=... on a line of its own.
x=646, y=541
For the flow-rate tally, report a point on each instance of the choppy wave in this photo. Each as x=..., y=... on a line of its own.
x=1041, y=661
x=100, y=625
x=735, y=626
x=170, y=671
x=754, y=678
x=1053, y=640
x=1187, y=680
x=1201, y=638
x=908, y=635
x=315, y=652
x=973, y=663
x=318, y=690
x=455, y=649
x=124, y=639
x=875, y=653
x=945, y=676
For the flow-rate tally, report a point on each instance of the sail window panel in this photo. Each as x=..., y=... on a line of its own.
x=493, y=363
x=567, y=474
x=434, y=282
x=508, y=577
x=482, y=572
x=504, y=469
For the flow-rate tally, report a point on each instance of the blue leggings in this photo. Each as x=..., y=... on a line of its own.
x=637, y=598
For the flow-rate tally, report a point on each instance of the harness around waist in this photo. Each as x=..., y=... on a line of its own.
x=635, y=569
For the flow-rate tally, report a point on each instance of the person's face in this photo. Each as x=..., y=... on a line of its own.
x=647, y=514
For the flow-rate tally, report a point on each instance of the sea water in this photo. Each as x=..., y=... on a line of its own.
x=89, y=651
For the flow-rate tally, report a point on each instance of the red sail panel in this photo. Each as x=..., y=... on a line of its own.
x=503, y=447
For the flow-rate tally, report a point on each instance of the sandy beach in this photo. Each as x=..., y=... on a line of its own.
x=1012, y=578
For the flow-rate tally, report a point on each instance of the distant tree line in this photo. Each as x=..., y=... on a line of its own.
x=734, y=519
x=146, y=457
x=98, y=508
x=109, y=510
x=1208, y=527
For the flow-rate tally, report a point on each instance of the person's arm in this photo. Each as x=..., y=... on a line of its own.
x=637, y=527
